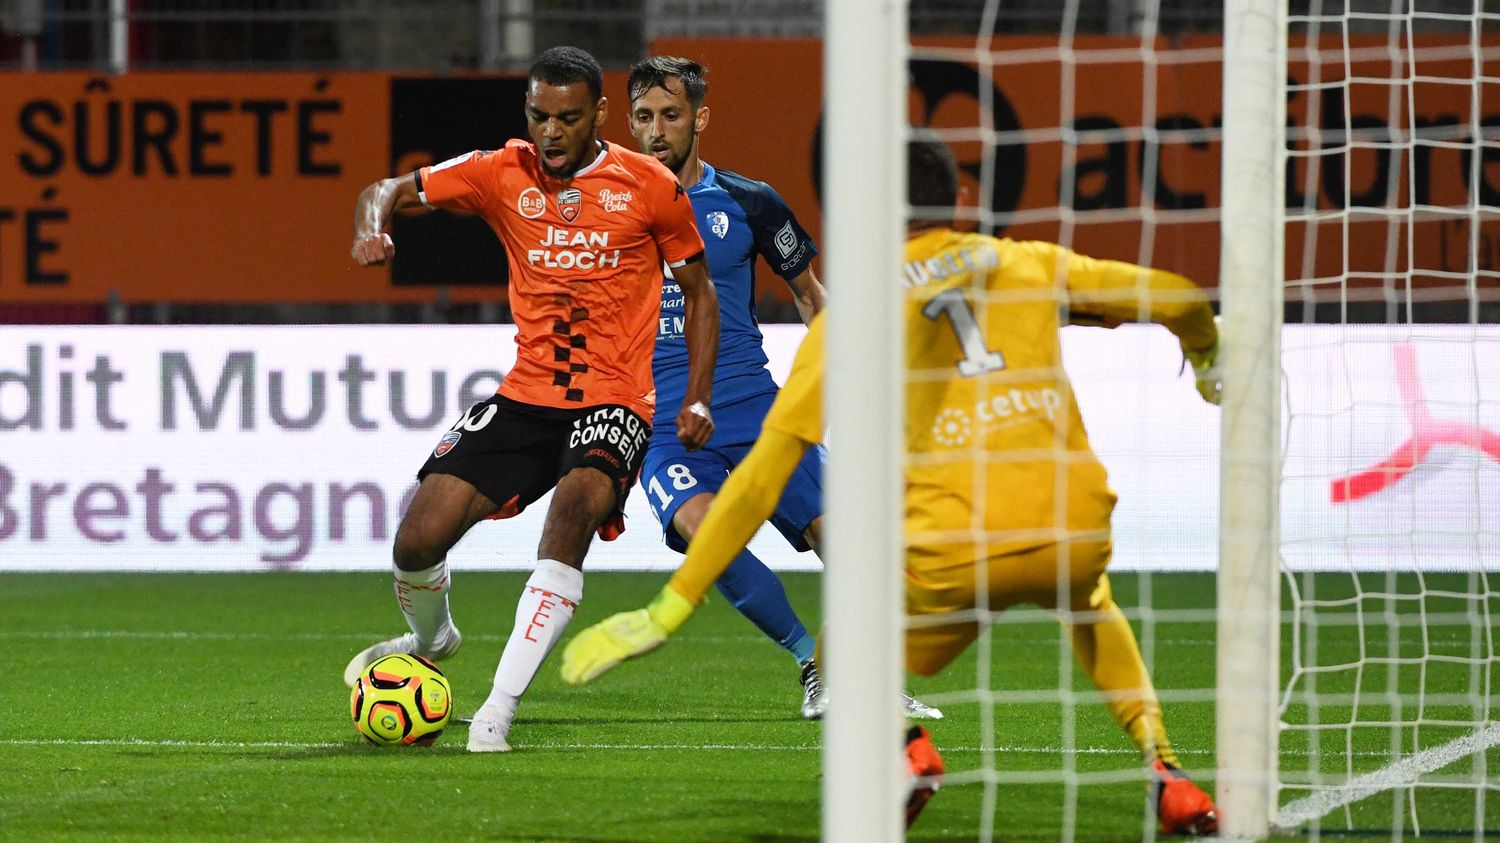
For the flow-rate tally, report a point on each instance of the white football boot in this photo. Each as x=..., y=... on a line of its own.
x=488, y=731
x=400, y=644
x=918, y=710
x=815, y=698
x=814, y=695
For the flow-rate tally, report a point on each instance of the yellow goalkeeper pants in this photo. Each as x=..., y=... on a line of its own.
x=937, y=586
x=943, y=582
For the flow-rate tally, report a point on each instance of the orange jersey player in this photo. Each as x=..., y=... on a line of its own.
x=587, y=227
x=586, y=257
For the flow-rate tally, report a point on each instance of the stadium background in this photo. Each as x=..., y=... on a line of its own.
x=211, y=184
x=193, y=377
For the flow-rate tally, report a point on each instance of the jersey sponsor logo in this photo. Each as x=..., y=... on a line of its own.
x=615, y=202
x=718, y=223
x=615, y=426
x=671, y=325
x=953, y=427
x=569, y=203
x=446, y=444
x=531, y=203
x=786, y=240
x=791, y=247
x=578, y=250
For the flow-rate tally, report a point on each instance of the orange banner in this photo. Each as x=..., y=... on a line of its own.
x=216, y=187
x=1147, y=147
x=195, y=187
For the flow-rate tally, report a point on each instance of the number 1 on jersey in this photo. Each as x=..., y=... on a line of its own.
x=977, y=358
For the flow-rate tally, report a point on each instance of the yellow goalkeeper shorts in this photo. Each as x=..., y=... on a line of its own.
x=939, y=584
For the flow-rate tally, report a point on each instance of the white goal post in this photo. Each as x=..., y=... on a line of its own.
x=1251, y=285
x=864, y=777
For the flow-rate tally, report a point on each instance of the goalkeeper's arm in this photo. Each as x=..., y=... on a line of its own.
x=746, y=500
x=1110, y=293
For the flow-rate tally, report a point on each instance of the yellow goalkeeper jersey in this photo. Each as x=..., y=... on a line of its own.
x=998, y=460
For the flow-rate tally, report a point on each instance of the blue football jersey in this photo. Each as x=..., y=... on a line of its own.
x=739, y=219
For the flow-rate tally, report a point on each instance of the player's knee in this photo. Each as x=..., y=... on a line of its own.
x=415, y=548
x=689, y=516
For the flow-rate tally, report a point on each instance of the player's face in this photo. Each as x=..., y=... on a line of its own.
x=666, y=125
x=563, y=121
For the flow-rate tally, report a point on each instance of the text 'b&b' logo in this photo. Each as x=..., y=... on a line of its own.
x=531, y=203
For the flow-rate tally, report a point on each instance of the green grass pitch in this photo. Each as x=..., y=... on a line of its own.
x=210, y=706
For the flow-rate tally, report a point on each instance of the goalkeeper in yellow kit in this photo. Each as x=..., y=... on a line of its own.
x=985, y=385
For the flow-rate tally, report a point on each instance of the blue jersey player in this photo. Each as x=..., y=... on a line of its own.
x=739, y=219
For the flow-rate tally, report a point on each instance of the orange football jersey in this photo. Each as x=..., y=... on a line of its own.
x=585, y=258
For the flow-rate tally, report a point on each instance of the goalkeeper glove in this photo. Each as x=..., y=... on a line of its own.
x=1205, y=363
x=624, y=636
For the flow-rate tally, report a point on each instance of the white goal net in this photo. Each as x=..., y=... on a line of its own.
x=1390, y=483
x=1327, y=668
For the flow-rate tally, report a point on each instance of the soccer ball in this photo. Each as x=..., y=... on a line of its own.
x=401, y=700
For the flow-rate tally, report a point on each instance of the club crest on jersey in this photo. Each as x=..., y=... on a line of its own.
x=446, y=444
x=531, y=203
x=718, y=223
x=569, y=202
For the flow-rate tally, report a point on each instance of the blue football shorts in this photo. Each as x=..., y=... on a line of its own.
x=672, y=475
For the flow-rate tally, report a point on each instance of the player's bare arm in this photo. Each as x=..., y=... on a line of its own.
x=701, y=330
x=372, y=246
x=808, y=293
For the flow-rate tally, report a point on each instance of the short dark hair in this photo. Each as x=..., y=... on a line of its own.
x=931, y=179
x=654, y=72
x=566, y=65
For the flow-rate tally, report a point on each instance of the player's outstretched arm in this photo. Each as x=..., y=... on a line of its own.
x=372, y=246
x=1110, y=293
x=744, y=503
x=701, y=330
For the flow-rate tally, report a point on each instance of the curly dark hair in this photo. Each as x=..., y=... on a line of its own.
x=566, y=65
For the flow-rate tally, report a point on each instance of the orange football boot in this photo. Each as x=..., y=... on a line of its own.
x=926, y=767
x=1181, y=806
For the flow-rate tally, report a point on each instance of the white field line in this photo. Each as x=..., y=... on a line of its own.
x=187, y=635
x=1295, y=814
x=181, y=635
x=638, y=747
x=726, y=747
